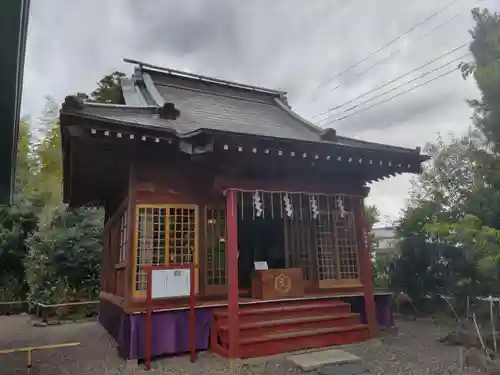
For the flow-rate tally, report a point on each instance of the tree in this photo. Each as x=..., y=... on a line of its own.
x=450, y=238
x=64, y=258
x=108, y=89
x=485, y=48
x=372, y=216
x=52, y=250
x=19, y=220
x=48, y=154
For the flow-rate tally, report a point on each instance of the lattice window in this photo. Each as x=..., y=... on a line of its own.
x=336, y=241
x=299, y=236
x=123, y=236
x=325, y=249
x=182, y=234
x=345, y=234
x=150, y=241
x=216, y=246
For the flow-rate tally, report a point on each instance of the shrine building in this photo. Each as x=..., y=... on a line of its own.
x=193, y=169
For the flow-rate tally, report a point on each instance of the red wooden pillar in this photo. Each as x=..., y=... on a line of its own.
x=366, y=268
x=232, y=273
x=131, y=228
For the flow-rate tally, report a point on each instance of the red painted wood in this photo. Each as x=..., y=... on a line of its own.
x=148, y=321
x=288, y=326
x=214, y=334
x=232, y=267
x=248, y=330
x=292, y=309
x=192, y=314
x=131, y=216
x=366, y=268
x=307, y=340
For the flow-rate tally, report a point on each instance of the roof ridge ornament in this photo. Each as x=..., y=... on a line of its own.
x=329, y=134
x=169, y=112
x=74, y=102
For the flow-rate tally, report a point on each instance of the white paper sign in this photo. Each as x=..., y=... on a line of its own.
x=170, y=283
x=259, y=266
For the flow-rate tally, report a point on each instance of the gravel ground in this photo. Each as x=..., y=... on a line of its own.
x=413, y=351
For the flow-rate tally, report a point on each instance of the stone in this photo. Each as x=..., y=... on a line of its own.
x=314, y=360
x=476, y=358
x=388, y=331
x=131, y=365
x=494, y=367
x=342, y=369
x=66, y=321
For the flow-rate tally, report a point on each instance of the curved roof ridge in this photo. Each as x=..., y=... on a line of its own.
x=295, y=115
x=151, y=87
x=200, y=77
x=369, y=143
x=77, y=103
x=131, y=92
x=120, y=106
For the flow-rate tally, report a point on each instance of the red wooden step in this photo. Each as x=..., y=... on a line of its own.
x=292, y=341
x=252, y=329
x=277, y=305
x=259, y=313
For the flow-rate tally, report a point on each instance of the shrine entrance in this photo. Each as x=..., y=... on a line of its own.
x=259, y=240
x=312, y=232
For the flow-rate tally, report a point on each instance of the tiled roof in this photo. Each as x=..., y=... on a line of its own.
x=214, y=105
x=206, y=110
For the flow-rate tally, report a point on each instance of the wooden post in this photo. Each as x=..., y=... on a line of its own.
x=192, y=313
x=131, y=228
x=366, y=268
x=232, y=273
x=149, y=307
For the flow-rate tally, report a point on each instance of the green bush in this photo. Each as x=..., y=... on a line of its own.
x=64, y=257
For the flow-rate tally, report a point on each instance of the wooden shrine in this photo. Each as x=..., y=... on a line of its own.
x=193, y=169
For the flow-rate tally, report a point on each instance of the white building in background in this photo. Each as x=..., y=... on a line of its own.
x=385, y=240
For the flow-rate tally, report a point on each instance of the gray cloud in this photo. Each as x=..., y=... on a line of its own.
x=293, y=45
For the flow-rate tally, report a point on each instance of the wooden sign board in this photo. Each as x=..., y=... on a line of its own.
x=259, y=266
x=172, y=283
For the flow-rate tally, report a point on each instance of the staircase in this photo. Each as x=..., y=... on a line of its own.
x=285, y=326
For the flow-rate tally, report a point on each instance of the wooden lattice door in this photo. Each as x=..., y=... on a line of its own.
x=182, y=233
x=336, y=245
x=299, y=241
x=326, y=252
x=215, y=245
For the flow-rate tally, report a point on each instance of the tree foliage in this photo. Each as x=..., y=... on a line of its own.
x=108, y=89
x=450, y=233
x=64, y=257
x=48, y=252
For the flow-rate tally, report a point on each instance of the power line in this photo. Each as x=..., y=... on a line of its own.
x=428, y=18
x=395, y=52
x=393, y=97
x=393, y=80
x=401, y=85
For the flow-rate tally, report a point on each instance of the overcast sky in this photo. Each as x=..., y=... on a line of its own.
x=294, y=45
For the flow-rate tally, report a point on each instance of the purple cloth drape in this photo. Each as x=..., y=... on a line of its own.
x=170, y=329
x=169, y=332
